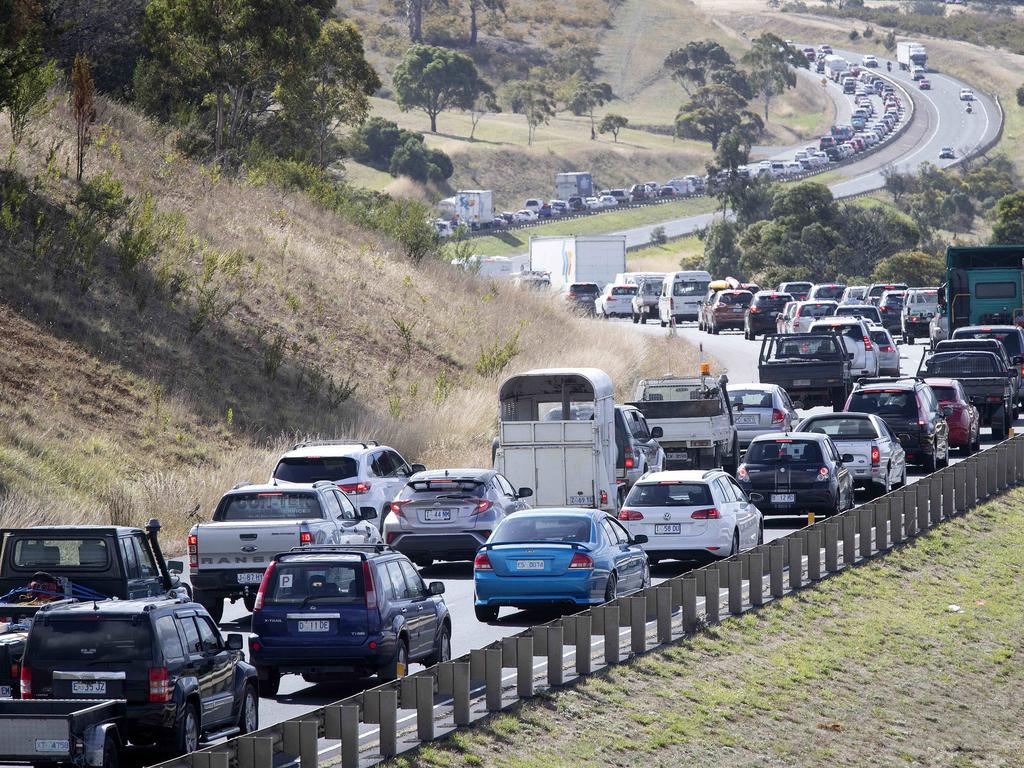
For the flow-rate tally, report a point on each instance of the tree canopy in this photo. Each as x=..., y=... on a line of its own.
x=911, y=267
x=1008, y=227
x=772, y=66
x=435, y=79
x=714, y=111
x=587, y=97
x=612, y=124
x=692, y=64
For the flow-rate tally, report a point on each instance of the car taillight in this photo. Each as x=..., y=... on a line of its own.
x=630, y=461
x=823, y=473
x=993, y=399
x=867, y=343
x=754, y=310
x=305, y=538
x=26, y=681
x=742, y=473
x=630, y=514
x=267, y=575
x=355, y=487
x=482, y=563
x=706, y=514
x=193, y=551
x=159, y=685
x=778, y=416
x=482, y=506
x=876, y=455
x=887, y=348
x=369, y=588
x=396, y=507
x=604, y=497
x=572, y=294
x=581, y=562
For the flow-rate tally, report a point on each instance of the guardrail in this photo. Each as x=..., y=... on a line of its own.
x=459, y=693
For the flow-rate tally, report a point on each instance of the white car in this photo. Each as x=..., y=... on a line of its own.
x=856, y=338
x=792, y=169
x=783, y=323
x=807, y=312
x=766, y=408
x=870, y=449
x=593, y=204
x=854, y=294
x=607, y=201
x=692, y=515
x=966, y=94
x=524, y=214
x=533, y=204
x=616, y=300
x=869, y=60
x=888, y=353
x=370, y=474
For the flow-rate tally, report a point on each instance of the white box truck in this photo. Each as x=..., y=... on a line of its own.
x=474, y=207
x=835, y=66
x=574, y=184
x=910, y=54
x=577, y=259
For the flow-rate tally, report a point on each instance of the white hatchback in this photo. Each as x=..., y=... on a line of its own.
x=856, y=337
x=692, y=515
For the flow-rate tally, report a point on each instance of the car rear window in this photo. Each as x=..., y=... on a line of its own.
x=817, y=310
x=885, y=402
x=624, y=290
x=828, y=291
x=783, y=451
x=55, y=554
x=443, y=488
x=585, y=288
x=816, y=348
x=843, y=428
x=312, y=469
x=271, y=505
x=99, y=639
x=881, y=338
x=924, y=297
x=944, y=394
x=955, y=364
x=743, y=298
x=776, y=302
x=751, y=398
x=869, y=313
x=306, y=583
x=689, y=287
x=1009, y=339
x=894, y=300
x=554, y=528
x=669, y=494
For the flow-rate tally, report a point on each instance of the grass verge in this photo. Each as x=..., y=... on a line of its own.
x=911, y=660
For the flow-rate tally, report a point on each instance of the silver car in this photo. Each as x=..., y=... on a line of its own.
x=870, y=450
x=765, y=408
x=888, y=353
x=447, y=514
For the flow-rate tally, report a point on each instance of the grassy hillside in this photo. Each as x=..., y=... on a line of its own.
x=255, y=317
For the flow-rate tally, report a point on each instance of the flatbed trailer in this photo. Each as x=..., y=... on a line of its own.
x=48, y=732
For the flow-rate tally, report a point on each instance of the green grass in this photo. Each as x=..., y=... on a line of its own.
x=909, y=660
x=667, y=257
x=518, y=241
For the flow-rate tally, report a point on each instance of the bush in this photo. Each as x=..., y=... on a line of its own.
x=658, y=236
x=381, y=144
x=415, y=160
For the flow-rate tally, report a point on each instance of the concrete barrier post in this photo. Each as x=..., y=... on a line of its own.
x=556, y=654
x=866, y=514
x=882, y=527
x=993, y=472
x=814, y=553
x=652, y=602
x=663, y=594
x=445, y=681
x=1011, y=463
x=389, y=722
x=611, y=634
x=735, y=577
x=896, y=519
x=677, y=592
x=756, y=584
x=1019, y=443
x=1001, y=470
x=777, y=556
x=583, y=645
x=255, y=752
x=460, y=693
x=923, y=500
x=795, y=561
x=425, y=704
x=638, y=624
x=712, y=612
x=905, y=509
x=477, y=664
x=935, y=497
x=508, y=652
x=832, y=546
x=299, y=740
x=982, y=476
x=493, y=679
x=960, y=488
x=689, y=589
x=849, y=520
x=350, y=735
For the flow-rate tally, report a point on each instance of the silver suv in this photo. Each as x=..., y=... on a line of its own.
x=447, y=514
x=645, y=303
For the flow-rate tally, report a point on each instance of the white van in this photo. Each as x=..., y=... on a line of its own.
x=681, y=295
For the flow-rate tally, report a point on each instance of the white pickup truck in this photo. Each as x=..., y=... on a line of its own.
x=252, y=523
x=696, y=420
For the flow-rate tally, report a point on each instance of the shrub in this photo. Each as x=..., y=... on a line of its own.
x=658, y=236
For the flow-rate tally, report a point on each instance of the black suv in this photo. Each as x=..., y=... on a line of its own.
x=181, y=681
x=912, y=412
x=762, y=312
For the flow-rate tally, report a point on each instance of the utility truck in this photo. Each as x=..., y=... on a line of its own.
x=910, y=54
x=573, y=259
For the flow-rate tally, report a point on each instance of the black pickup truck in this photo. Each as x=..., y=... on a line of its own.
x=814, y=368
x=986, y=380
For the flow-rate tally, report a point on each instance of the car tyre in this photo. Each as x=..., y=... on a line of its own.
x=931, y=461
x=611, y=587
x=945, y=458
x=999, y=430
x=269, y=679
x=442, y=649
x=185, y=738
x=214, y=605
x=249, y=600
x=735, y=548
x=636, y=318
x=398, y=667
x=249, y=714
x=486, y=614
x=714, y=330
x=643, y=318
x=111, y=755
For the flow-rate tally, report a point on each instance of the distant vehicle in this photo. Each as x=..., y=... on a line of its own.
x=853, y=294
x=876, y=290
x=918, y=73
x=704, y=316
x=961, y=416
x=798, y=291
x=814, y=369
x=890, y=304
x=447, y=514
x=870, y=449
x=533, y=204
x=796, y=473
x=888, y=353
x=966, y=94
x=856, y=337
x=728, y=311
x=910, y=409
x=809, y=311
x=645, y=303
x=557, y=556
x=681, y=296
x=693, y=516
x=581, y=297
x=784, y=320
x=637, y=448
x=1010, y=336
x=574, y=184
x=638, y=193
x=762, y=313
x=545, y=211
x=608, y=201
x=938, y=328
x=615, y=301
x=593, y=204
x=525, y=215
x=576, y=203
x=987, y=344
x=559, y=207
x=826, y=291
x=765, y=408
x=667, y=191
x=924, y=84
x=869, y=60
x=910, y=55
x=947, y=153
x=333, y=612
x=919, y=308
x=985, y=379
x=584, y=259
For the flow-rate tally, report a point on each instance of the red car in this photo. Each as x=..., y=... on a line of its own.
x=963, y=419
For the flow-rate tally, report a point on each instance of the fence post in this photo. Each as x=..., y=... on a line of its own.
x=832, y=546
x=777, y=558
x=814, y=552
x=555, y=654
x=389, y=722
x=734, y=574
x=299, y=738
x=756, y=581
x=959, y=488
x=712, y=612
x=460, y=693
x=935, y=497
x=896, y=519
x=663, y=596
x=982, y=476
x=492, y=657
x=350, y=735
x=796, y=561
x=425, y=707
x=1011, y=463
x=1019, y=453
x=611, y=634
x=849, y=522
x=524, y=667
x=583, y=644
x=689, y=587
x=1001, y=470
x=881, y=527
x=866, y=515
x=923, y=518
x=477, y=664
x=638, y=624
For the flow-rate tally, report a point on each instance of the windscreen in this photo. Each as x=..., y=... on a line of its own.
x=55, y=554
x=817, y=310
x=669, y=495
x=91, y=640
x=551, y=528
x=885, y=402
x=783, y=452
x=924, y=297
x=312, y=469
x=690, y=287
x=1009, y=338
x=307, y=583
x=751, y=398
x=843, y=428
x=276, y=505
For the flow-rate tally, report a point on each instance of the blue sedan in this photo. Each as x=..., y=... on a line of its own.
x=557, y=557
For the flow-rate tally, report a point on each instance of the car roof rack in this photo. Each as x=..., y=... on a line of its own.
x=342, y=441
x=336, y=549
x=863, y=380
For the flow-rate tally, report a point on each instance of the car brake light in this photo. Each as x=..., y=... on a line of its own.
x=26, y=682
x=754, y=310
x=778, y=416
x=355, y=487
x=396, y=507
x=305, y=538
x=482, y=506
x=604, y=497
x=823, y=473
x=193, y=551
x=742, y=473
x=876, y=455
x=630, y=514
x=887, y=348
x=369, y=588
x=706, y=514
x=867, y=343
x=159, y=685
x=630, y=462
x=258, y=604
x=482, y=563
x=581, y=562
x=572, y=294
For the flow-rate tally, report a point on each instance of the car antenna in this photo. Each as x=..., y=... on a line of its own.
x=95, y=606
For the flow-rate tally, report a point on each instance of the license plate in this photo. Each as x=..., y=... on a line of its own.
x=801, y=382
x=315, y=626
x=82, y=688
x=529, y=565
x=747, y=420
x=52, y=745
x=667, y=528
x=249, y=578
x=677, y=456
x=5, y=691
x=436, y=515
x=581, y=501
x=783, y=498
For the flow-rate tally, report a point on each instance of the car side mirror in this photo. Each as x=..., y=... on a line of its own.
x=436, y=587
x=367, y=513
x=657, y=433
x=418, y=468
x=947, y=410
x=175, y=566
x=847, y=457
x=524, y=493
x=639, y=539
x=755, y=498
x=234, y=642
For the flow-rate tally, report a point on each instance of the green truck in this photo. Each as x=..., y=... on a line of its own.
x=984, y=286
